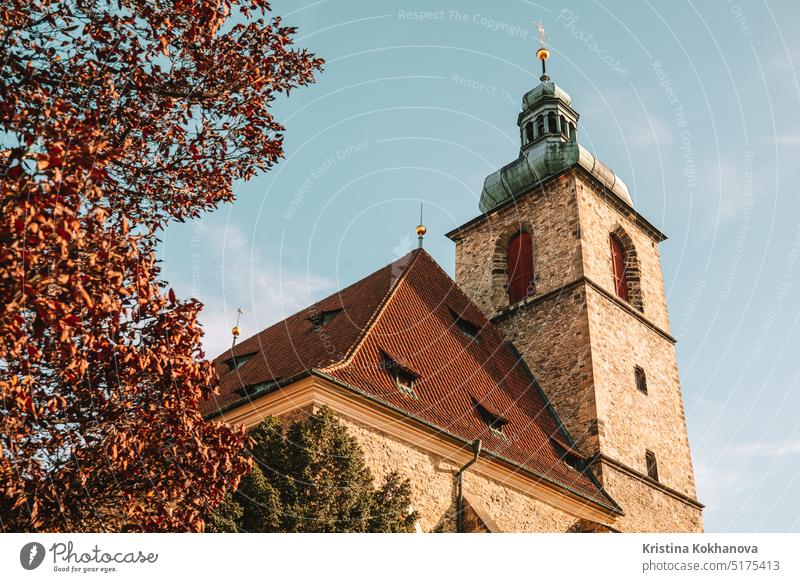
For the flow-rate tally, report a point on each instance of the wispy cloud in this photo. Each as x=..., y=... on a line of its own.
x=649, y=133
x=729, y=477
x=785, y=63
x=231, y=272
x=716, y=484
x=727, y=188
x=790, y=447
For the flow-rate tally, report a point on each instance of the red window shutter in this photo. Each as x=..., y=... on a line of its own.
x=520, y=267
x=618, y=260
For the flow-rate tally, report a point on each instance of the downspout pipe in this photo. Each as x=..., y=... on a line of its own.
x=476, y=450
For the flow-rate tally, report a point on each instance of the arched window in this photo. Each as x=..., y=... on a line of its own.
x=529, y=131
x=539, y=126
x=564, y=127
x=572, y=135
x=552, y=122
x=618, y=262
x=520, y=267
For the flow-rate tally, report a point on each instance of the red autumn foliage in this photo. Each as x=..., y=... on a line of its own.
x=117, y=118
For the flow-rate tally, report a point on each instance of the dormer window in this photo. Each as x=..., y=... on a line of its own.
x=494, y=422
x=403, y=378
x=259, y=388
x=237, y=362
x=468, y=328
x=567, y=456
x=319, y=319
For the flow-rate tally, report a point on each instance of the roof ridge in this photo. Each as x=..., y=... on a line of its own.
x=414, y=254
x=460, y=290
x=283, y=321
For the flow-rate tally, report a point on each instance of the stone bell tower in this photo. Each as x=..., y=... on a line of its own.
x=570, y=272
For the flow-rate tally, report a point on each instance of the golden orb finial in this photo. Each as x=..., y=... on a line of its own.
x=236, y=330
x=542, y=54
x=421, y=230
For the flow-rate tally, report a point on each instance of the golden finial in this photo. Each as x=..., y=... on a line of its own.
x=542, y=54
x=421, y=230
x=236, y=331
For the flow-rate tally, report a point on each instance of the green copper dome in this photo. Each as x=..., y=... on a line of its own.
x=524, y=173
x=549, y=145
x=546, y=89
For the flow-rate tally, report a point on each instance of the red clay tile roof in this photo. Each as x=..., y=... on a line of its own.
x=406, y=310
x=293, y=346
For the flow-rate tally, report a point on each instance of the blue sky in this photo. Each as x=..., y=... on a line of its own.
x=694, y=105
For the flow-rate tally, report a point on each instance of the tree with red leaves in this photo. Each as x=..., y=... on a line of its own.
x=118, y=117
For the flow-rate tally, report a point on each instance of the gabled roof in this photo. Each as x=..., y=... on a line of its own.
x=407, y=311
x=293, y=346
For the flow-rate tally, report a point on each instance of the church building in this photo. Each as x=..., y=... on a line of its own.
x=538, y=392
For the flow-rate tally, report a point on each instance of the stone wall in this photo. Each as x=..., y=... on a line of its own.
x=433, y=487
x=646, y=508
x=564, y=369
x=599, y=218
x=583, y=343
x=551, y=215
x=635, y=422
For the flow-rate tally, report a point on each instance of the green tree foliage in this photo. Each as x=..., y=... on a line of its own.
x=311, y=477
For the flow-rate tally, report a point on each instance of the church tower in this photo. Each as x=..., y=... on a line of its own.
x=570, y=272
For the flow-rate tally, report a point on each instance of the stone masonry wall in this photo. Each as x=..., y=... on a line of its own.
x=583, y=346
x=564, y=369
x=635, y=422
x=433, y=487
x=551, y=215
x=598, y=218
x=647, y=509
x=620, y=341
x=560, y=321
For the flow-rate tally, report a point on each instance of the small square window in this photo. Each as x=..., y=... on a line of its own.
x=259, y=388
x=652, y=465
x=237, y=362
x=494, y=422
x=319, y=319
x=569, y=458
x=467, y=327
x=403, y=379
x=405, y=382
x=641, y=379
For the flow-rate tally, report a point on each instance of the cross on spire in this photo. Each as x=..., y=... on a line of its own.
x=538, y=24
